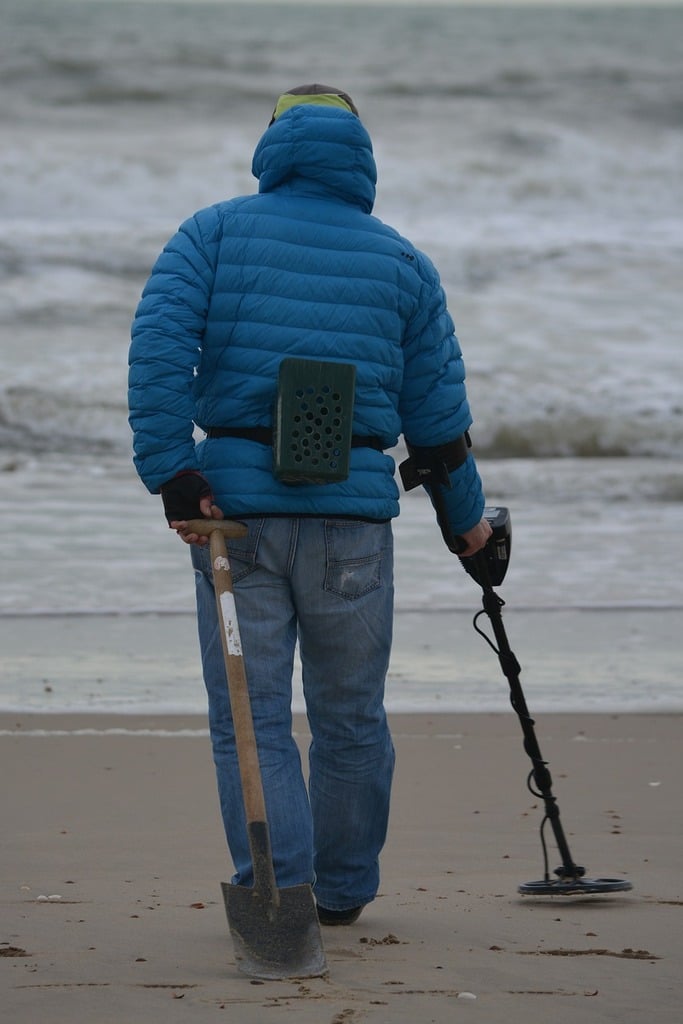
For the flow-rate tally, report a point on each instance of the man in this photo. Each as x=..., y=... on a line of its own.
x=303, y=271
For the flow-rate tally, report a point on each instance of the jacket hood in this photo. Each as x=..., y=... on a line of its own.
x=318, y=150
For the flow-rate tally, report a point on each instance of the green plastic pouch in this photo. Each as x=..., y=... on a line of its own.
x=313, y=421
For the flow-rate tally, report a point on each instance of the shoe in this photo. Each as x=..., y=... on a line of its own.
x=337, y=917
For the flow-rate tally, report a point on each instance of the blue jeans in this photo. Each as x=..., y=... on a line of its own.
x=327, y=583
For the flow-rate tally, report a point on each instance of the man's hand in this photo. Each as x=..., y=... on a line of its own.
x=208, y=511
x=188, y=496
x=475, y=539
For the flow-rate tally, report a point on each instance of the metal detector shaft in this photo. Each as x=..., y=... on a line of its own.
x=570, y=878
x=492, y=605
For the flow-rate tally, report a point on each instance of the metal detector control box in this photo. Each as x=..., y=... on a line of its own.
x=495, y=556
x=313, y=421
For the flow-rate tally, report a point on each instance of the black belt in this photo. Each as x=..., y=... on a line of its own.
x=264, y=435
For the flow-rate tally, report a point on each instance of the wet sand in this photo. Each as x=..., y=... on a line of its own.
x=113, y=854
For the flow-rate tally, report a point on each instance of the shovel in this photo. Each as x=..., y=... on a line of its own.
x=275, y=932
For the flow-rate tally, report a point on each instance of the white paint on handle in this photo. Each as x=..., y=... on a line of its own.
x=232, y=633
x=221, y=562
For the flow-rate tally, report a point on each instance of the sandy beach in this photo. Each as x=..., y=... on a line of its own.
x=113, y=854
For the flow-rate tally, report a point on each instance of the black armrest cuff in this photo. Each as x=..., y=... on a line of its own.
x=425, y=465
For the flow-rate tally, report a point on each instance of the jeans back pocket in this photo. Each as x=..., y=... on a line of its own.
x=354, y=557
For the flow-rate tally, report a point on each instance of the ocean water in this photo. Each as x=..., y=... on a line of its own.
x=535, y=154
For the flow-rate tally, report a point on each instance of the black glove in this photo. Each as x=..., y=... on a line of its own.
x=182, y=494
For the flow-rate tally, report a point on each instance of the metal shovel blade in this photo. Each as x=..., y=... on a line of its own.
x=272, y=942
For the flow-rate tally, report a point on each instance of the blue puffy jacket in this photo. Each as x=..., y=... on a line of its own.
x=301, y=269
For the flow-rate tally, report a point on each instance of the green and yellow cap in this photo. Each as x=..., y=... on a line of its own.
x=320, y=95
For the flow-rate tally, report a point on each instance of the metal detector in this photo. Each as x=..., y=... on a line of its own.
x=488, y=568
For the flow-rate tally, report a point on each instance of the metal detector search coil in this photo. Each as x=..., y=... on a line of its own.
x=313, y=421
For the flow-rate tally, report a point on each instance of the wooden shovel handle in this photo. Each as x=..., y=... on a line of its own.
x=205, y=527
x=245, y=738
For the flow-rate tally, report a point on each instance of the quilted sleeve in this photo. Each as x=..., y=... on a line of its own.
x=434, y=407
x=166, y=342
